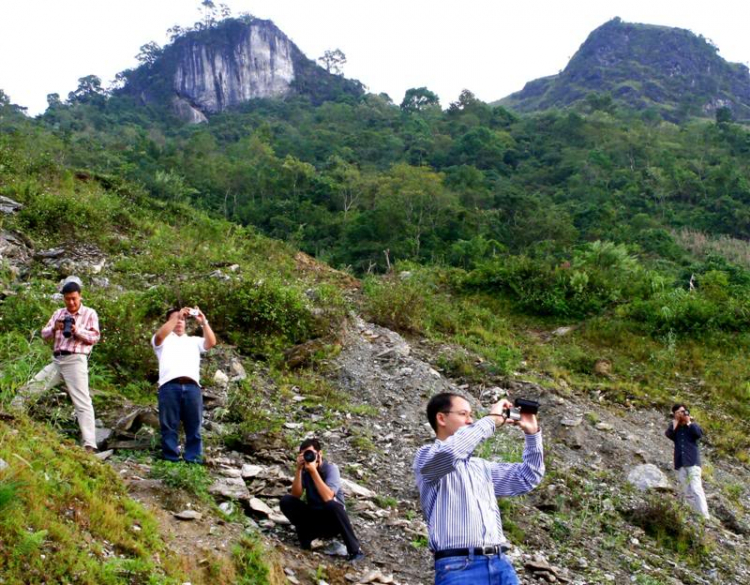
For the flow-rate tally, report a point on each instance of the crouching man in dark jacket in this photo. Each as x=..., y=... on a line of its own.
x=323, y=514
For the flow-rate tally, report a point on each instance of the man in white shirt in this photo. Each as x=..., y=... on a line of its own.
x=180, y=395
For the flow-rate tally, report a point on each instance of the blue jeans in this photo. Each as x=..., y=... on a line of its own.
x=181, y=403
x=475, y=570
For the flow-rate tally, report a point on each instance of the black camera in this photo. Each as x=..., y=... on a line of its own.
x=68, y=326
x=521, y=406
x=310, y=456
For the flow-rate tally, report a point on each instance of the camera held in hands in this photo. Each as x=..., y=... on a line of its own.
x=68, y=326
x=521, y=406
x=194, y=312
x=310, y=456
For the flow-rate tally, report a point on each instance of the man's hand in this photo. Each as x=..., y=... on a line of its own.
x=200, y=317
x=497, y=411
x=528, y=423
x=312, y=466
x=300, y=461
x=59, y=325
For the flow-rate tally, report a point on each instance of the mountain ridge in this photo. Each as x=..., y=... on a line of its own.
x=644, y=66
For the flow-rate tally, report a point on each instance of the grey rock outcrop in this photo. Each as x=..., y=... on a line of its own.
x=648, y=477
x=259, y=63
x=204, y=72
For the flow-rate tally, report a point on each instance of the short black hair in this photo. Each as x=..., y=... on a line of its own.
x=170, y=311
x=314, y=443
x=71, y=287
x=439, y=403
x=678, y=406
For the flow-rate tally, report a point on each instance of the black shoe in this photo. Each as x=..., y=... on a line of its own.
x=355, y=557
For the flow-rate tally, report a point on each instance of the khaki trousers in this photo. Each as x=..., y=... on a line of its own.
x=692, y=488
x=74, y=371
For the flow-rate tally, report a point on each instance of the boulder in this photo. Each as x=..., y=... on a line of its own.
x=230, y=487
x=648, y=477
x=257, y=505
x=357, y=490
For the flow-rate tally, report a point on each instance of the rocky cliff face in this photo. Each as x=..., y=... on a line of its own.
x=205, y=72
x=672, y=70
x=258, y=63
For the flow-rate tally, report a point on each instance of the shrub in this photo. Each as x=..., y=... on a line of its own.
x=398, y=304
x=664, y=519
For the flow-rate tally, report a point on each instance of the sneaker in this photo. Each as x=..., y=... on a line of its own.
x=355, y=557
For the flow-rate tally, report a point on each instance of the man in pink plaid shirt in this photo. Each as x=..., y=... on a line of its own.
x=74, y=330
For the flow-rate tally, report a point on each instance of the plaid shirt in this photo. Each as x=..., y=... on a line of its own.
x=86, y=335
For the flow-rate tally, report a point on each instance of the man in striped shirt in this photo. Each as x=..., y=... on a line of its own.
x=71, y=349
x=459, y=492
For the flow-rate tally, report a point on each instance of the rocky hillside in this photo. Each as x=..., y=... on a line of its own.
x=643, y=66
x=605, y=513
x=206, y=71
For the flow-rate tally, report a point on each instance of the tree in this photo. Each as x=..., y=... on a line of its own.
x=89, y=91
x=149, y=53
x=333, y=61
x=723, y=115
x=418, y=99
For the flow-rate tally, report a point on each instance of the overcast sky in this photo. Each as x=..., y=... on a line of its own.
x=492, y=47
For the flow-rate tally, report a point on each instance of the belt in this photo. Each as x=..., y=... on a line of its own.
x=488, y=551
x=62, y=352
x=181, y=380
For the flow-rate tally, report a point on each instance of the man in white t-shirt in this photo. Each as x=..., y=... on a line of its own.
x=180, y=395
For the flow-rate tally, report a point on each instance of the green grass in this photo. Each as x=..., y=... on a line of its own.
x=192, y=478
x=67, y=516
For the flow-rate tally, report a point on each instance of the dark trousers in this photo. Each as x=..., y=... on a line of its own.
x=181, y=403
x=326, y=522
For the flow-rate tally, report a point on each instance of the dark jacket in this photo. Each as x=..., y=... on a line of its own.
x=685, y=437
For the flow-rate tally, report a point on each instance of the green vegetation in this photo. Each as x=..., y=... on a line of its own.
x=189, y=477
x=477, y=229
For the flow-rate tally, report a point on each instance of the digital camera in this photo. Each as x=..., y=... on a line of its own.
x=310, y=456
x=521, y=406
x=194, y=312
x=68, y=326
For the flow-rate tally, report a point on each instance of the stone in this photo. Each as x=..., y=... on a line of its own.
x=237, y=371
x=230, y=487
x=604, y=427
x=250, y=471
x=3, y=465
x=257, y=505
x=570, y=422
x=188, y=515
x=357, y=490
x=292, y=426
x=279, y=519
x=220, y=378
x=102, y=436
x=227, y=508
x=561, y=331
x=335, y=549
x=648, y=477
x=9, y=206
x=103, y=455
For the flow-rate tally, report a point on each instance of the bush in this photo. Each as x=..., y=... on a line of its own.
x=600, y=276
x=254, y=316
x=397, y=304
x=664, y=519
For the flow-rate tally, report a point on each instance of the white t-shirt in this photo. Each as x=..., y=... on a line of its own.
x=179, y=355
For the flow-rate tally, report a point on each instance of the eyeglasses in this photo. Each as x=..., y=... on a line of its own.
x=462, y=413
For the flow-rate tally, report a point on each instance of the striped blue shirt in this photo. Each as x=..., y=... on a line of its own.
x=459, y=492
